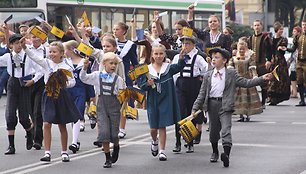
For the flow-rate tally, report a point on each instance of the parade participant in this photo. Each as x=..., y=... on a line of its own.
x=299, y=43
x=39, y=50
x=279, y=91
x=57, y=105
x=78, y=92
x=126, y=50
x=228, y=31
x=217, y=96
x=3, y=49
x=261, y=44
x=108, y=107
x=188, y=83
x=247, y=100
x=109, y=44
x=212, y=38
x=292, y=64
x=163, y=109
x=19, y=87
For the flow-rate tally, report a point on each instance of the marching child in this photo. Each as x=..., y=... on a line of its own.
x=57, y=105
x=217, y=96
x=108, y=107
x=163, y=108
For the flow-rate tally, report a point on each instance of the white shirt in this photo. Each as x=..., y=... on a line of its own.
x=94, y=79
x=217, y=83
x=48, y=67
x=40, y=53
x=18, y=58
x=200, y=65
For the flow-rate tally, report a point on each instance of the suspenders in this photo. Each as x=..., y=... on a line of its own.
x=104, y=91
x=191, y=67
x=22, y=65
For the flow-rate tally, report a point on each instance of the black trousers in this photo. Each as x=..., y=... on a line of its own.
x=36, y=97
x=18, y=98
x=187, y=90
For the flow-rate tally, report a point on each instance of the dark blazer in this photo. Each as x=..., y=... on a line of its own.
x=232, y=80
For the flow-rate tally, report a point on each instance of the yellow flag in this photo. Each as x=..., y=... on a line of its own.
x=85, y=19
x=39, y=33
x=275, y=73
x=57, y=32
x=187, y=32
x=87, y=50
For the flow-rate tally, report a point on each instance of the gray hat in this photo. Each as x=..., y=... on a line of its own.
x=14, y=37
x=192, y=39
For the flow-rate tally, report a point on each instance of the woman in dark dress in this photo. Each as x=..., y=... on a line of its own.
x=279, y=91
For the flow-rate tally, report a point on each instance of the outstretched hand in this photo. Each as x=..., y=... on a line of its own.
x=268, y=76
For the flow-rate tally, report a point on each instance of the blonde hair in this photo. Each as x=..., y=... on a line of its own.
x=71, y=44
x=110, y=56
x=59, y=45
x=242, y=43
x=155, y=47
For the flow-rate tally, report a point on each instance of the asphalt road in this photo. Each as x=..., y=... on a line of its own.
x=271, y=143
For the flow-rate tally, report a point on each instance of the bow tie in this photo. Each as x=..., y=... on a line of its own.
x=218, y=74
x=106, y=76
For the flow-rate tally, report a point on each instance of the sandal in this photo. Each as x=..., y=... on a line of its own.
x=154, y=148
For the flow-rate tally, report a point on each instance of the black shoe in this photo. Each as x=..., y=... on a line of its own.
x=93, y=122
x=301, y=104
x=190, y=149
x=225, y=159
x=29, y=143
x=46, y=158
x=37, y=146
x=177, y=149
x=107, y=164
x=115, y=154
x=214, y=157
x=241, y=120
x=97, y=143
x=74, y=148
x=10, y=150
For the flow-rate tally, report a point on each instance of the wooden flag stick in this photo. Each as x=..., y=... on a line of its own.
x=149, y=78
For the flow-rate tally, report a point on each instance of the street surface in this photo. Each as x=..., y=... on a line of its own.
x=271, y=143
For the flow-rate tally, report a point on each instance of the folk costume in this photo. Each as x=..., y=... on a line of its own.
x=261, y=45
x=299, y=43
x=247, y=100
x=279, y=91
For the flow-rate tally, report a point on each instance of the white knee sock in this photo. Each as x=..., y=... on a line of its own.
x=75, y=132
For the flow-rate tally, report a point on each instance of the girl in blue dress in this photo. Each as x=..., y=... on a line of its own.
x=79, y=92
x=162, y=107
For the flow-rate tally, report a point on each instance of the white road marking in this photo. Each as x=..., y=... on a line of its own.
x=299, y=123
x=304, y=172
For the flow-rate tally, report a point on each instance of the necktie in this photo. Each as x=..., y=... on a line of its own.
x=218, y=74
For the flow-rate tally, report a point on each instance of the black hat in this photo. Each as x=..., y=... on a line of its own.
x=14, y=37
x=223, y=51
